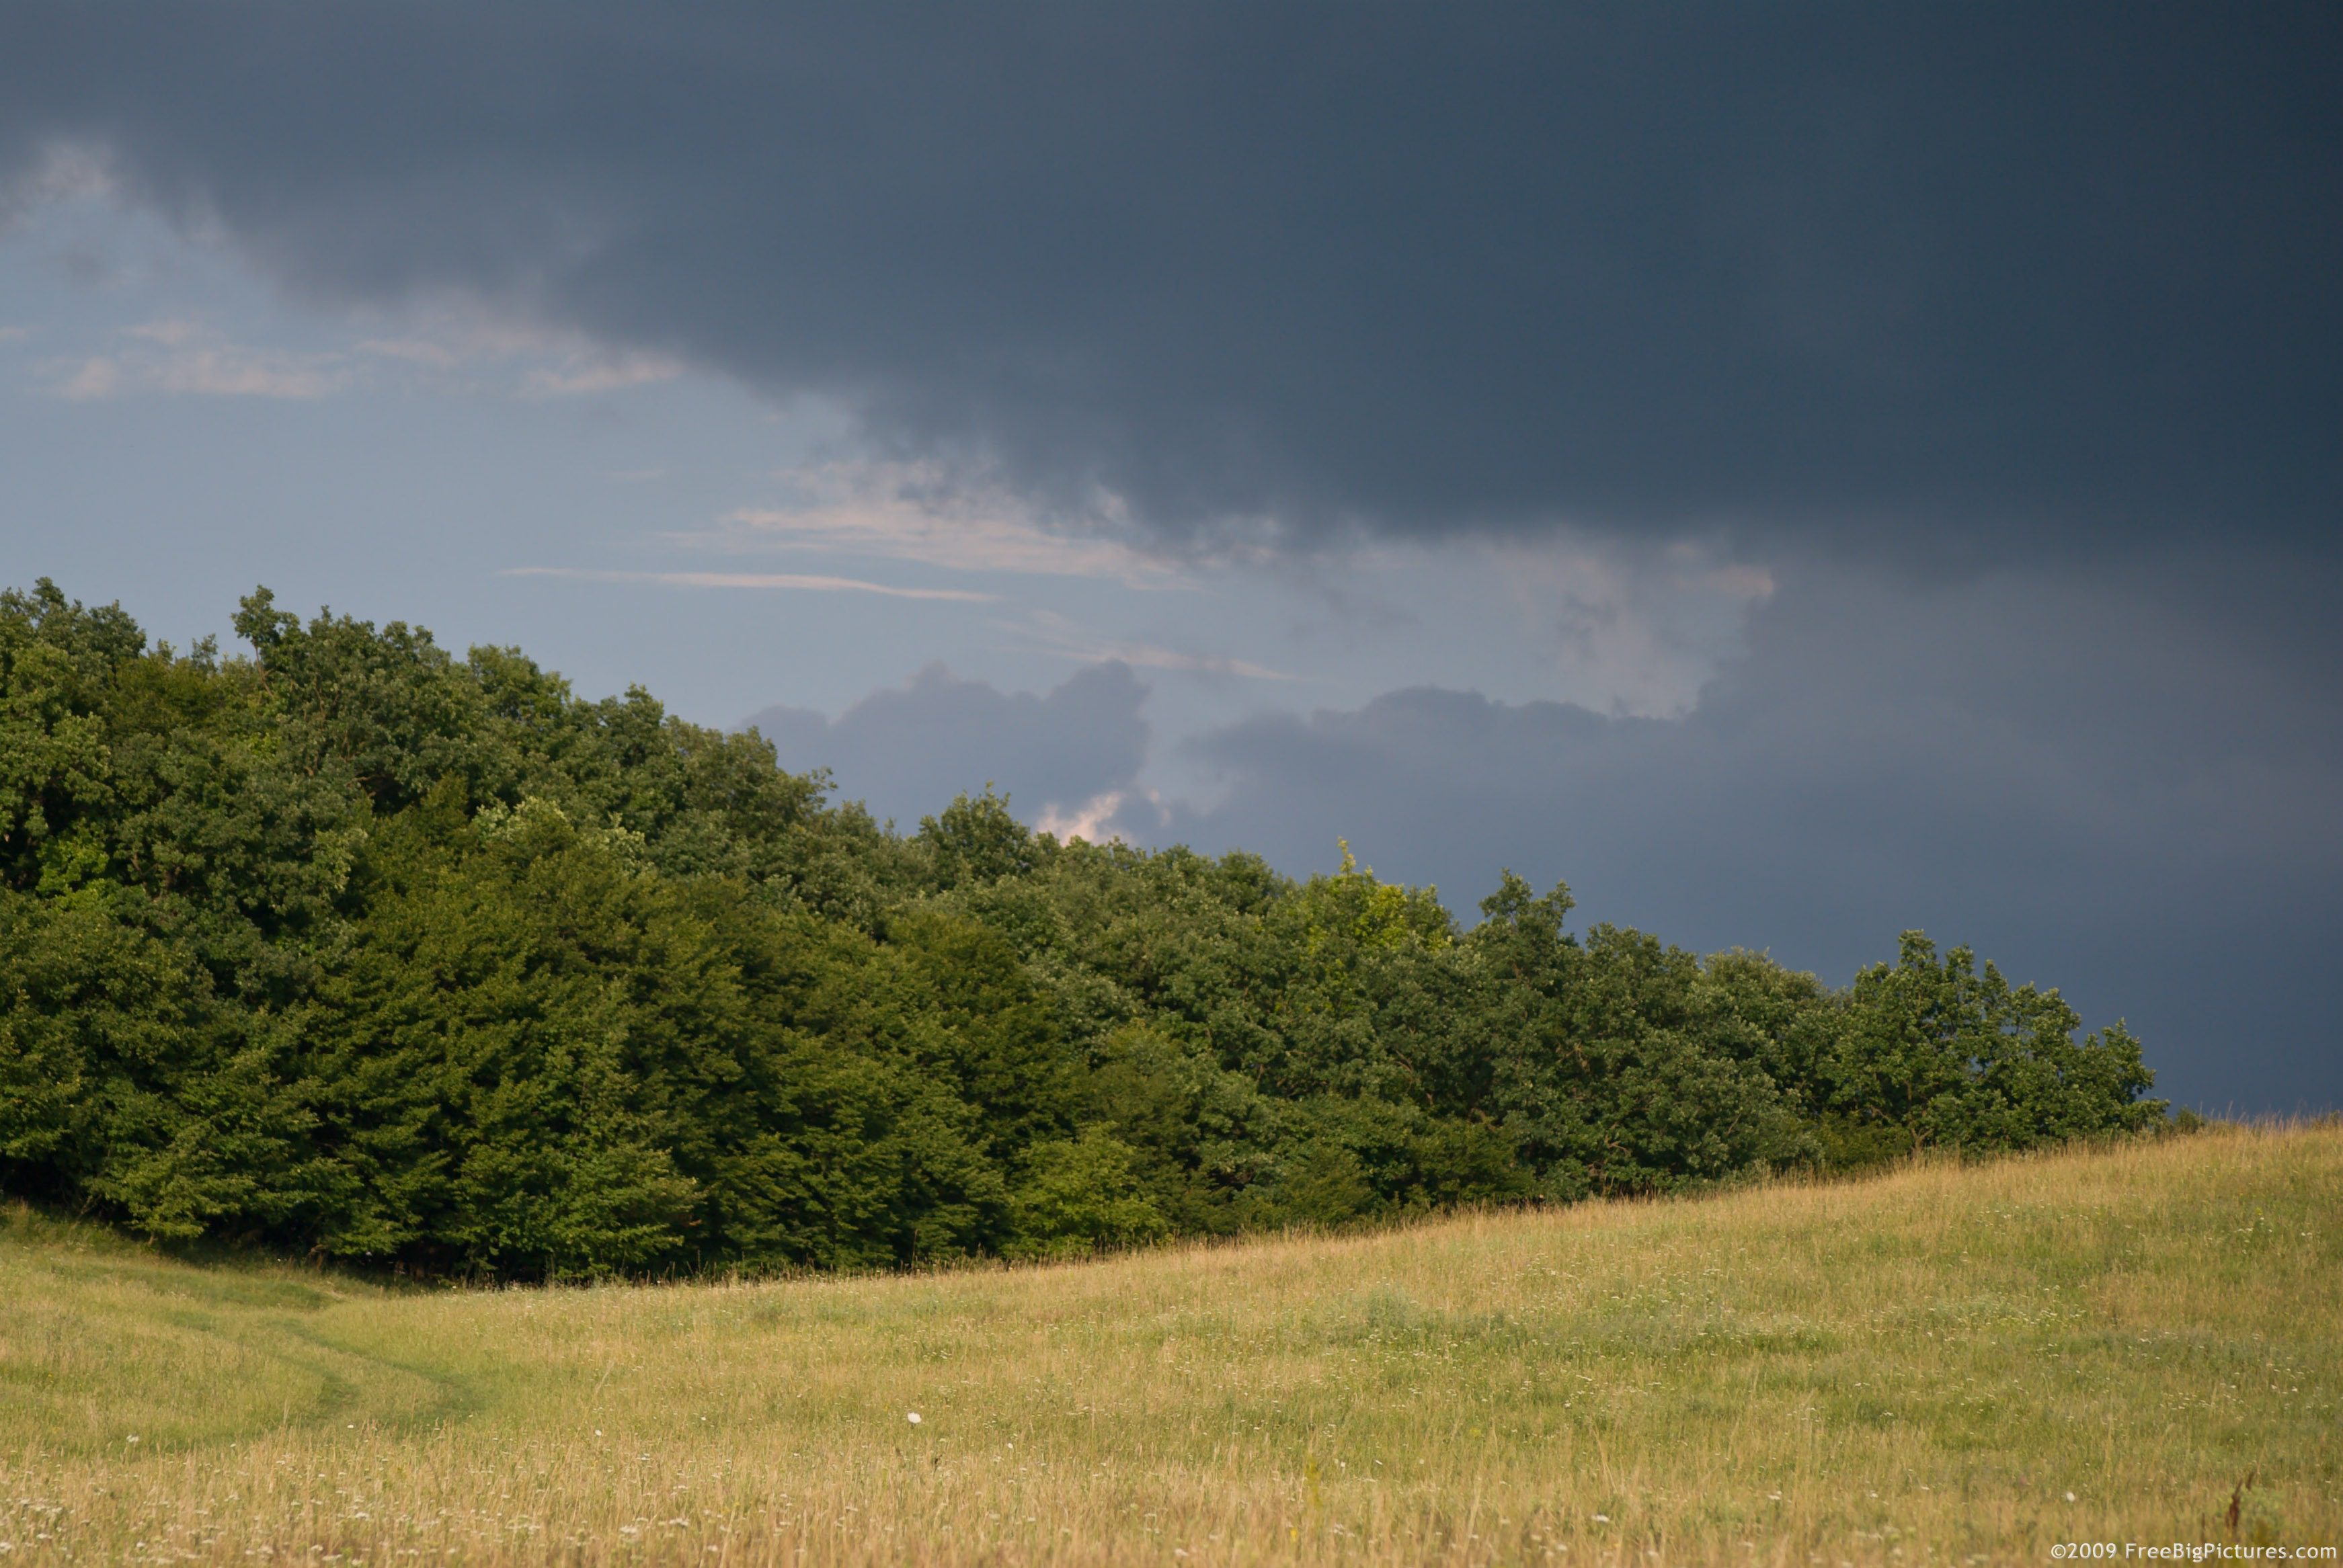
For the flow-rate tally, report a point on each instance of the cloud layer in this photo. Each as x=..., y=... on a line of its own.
x=907, y=751
x=1952, y=280
x=189, y=358
x=2148, y=825
x=1988, y=357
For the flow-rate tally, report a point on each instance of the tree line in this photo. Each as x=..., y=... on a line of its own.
x=352, y=947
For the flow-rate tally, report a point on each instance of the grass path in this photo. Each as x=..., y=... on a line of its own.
x=1921, y=1368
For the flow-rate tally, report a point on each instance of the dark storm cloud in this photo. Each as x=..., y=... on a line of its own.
x=906, y=752
x=2048, y=292
x=1951, y=278
x=2085, y=775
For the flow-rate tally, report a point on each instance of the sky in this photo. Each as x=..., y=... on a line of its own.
x=1796, y=473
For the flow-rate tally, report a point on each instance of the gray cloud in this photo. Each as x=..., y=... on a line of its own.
x=906, y=752
x=2091, y=781
x=1943, y=280
x=2045, y=294
x=2089, y=774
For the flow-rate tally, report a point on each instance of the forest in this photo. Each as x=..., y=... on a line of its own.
x=351, y=948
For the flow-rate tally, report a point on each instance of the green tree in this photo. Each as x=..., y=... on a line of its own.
x=1949, y=1054
x=353, y=946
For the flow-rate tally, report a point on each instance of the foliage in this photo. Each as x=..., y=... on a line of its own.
x=354, y=946
x=1948, y=1055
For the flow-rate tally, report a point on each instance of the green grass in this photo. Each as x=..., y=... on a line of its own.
x=1917, y=1368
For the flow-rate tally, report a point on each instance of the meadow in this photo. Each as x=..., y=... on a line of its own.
x=1946, y=1363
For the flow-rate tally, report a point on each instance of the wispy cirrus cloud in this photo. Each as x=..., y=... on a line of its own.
x=518, y=357
x=1046, y=632
x=926, y=513
x=599, y=372
x=792, y=581
x=187, y=358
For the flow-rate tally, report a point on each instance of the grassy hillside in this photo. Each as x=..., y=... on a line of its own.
x=1944, y=1364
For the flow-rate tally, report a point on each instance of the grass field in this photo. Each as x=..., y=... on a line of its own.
x=1946, y=1365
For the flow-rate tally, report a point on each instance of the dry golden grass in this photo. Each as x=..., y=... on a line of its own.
x=1919, y=1368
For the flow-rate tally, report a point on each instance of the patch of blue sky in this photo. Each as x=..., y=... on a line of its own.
x=179, y=429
